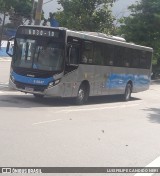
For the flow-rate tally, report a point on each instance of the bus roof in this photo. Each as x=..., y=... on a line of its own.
x=100, y=37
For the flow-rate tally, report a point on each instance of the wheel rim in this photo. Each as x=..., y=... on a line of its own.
x=128, y=92
x=81, y=94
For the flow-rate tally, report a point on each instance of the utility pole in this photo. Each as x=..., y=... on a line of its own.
x=38, y=12
x=32, y=13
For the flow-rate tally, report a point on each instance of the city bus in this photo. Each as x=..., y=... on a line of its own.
x=59, y=62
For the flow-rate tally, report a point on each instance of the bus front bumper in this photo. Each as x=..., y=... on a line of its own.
x=54, y=91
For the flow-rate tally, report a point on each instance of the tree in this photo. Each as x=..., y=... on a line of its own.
x=18, y=10
x=86, y=15
x=143, y=25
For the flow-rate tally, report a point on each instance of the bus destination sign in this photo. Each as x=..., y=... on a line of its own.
x=39, y=32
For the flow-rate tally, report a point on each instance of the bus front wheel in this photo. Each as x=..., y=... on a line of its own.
x=83, y=94
x=128, y=91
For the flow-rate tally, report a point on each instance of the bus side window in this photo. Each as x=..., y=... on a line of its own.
x=109, y=54
x=119, y=56
x=143, y=60
x=98, y=54
x=74, y=55
x=87, y=52
x=135, y=57
x=148, y=59
x=126, y=61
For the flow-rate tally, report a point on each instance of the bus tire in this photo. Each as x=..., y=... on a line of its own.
x=128, y=91
x=83, y=94
x=38, y=96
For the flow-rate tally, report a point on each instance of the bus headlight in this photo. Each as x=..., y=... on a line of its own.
x=57, y=81
x=51, y=84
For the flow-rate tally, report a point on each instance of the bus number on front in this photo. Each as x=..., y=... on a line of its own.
x=41, y=32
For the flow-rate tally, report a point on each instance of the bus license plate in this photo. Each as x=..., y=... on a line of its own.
x=30, y=89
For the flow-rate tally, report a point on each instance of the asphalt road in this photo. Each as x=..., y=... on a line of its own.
x=106, y=132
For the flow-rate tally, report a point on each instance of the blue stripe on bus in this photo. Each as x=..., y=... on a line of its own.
x=30, y=80
x=119, y=80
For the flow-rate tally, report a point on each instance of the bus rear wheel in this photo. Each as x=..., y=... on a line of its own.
x=128, y=91
x=83, y=94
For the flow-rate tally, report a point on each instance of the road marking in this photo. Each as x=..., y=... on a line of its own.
x=7, y=59
x=4, y=84
x=98, y=108
x=155, y=163
x=46, y=121
x=9, y=92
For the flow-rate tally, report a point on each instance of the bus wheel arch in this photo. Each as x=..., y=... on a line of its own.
x=83, y=93
x=128, y=91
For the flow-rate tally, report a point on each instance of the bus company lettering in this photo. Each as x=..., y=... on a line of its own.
x=26, y=171
x=38, y=82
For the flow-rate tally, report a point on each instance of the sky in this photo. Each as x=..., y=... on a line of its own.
x=119, y=9
x=50, y=6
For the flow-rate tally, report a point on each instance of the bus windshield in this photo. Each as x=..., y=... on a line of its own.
x=42, y=54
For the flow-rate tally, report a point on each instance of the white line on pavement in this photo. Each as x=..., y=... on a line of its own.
x=155, y=163
x=4, y=82
x=99, y=108
x=3, y=86
x=5, y=60
x=47, y=121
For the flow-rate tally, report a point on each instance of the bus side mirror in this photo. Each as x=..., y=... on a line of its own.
x=10, y=46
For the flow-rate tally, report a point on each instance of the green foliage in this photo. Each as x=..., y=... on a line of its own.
x=86, y=15
x=18, y=10
x=5, y=5
x=143, y=25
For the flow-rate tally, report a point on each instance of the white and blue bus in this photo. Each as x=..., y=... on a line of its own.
x=59, y=62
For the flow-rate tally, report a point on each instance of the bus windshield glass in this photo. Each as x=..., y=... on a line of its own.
x=39, y=53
